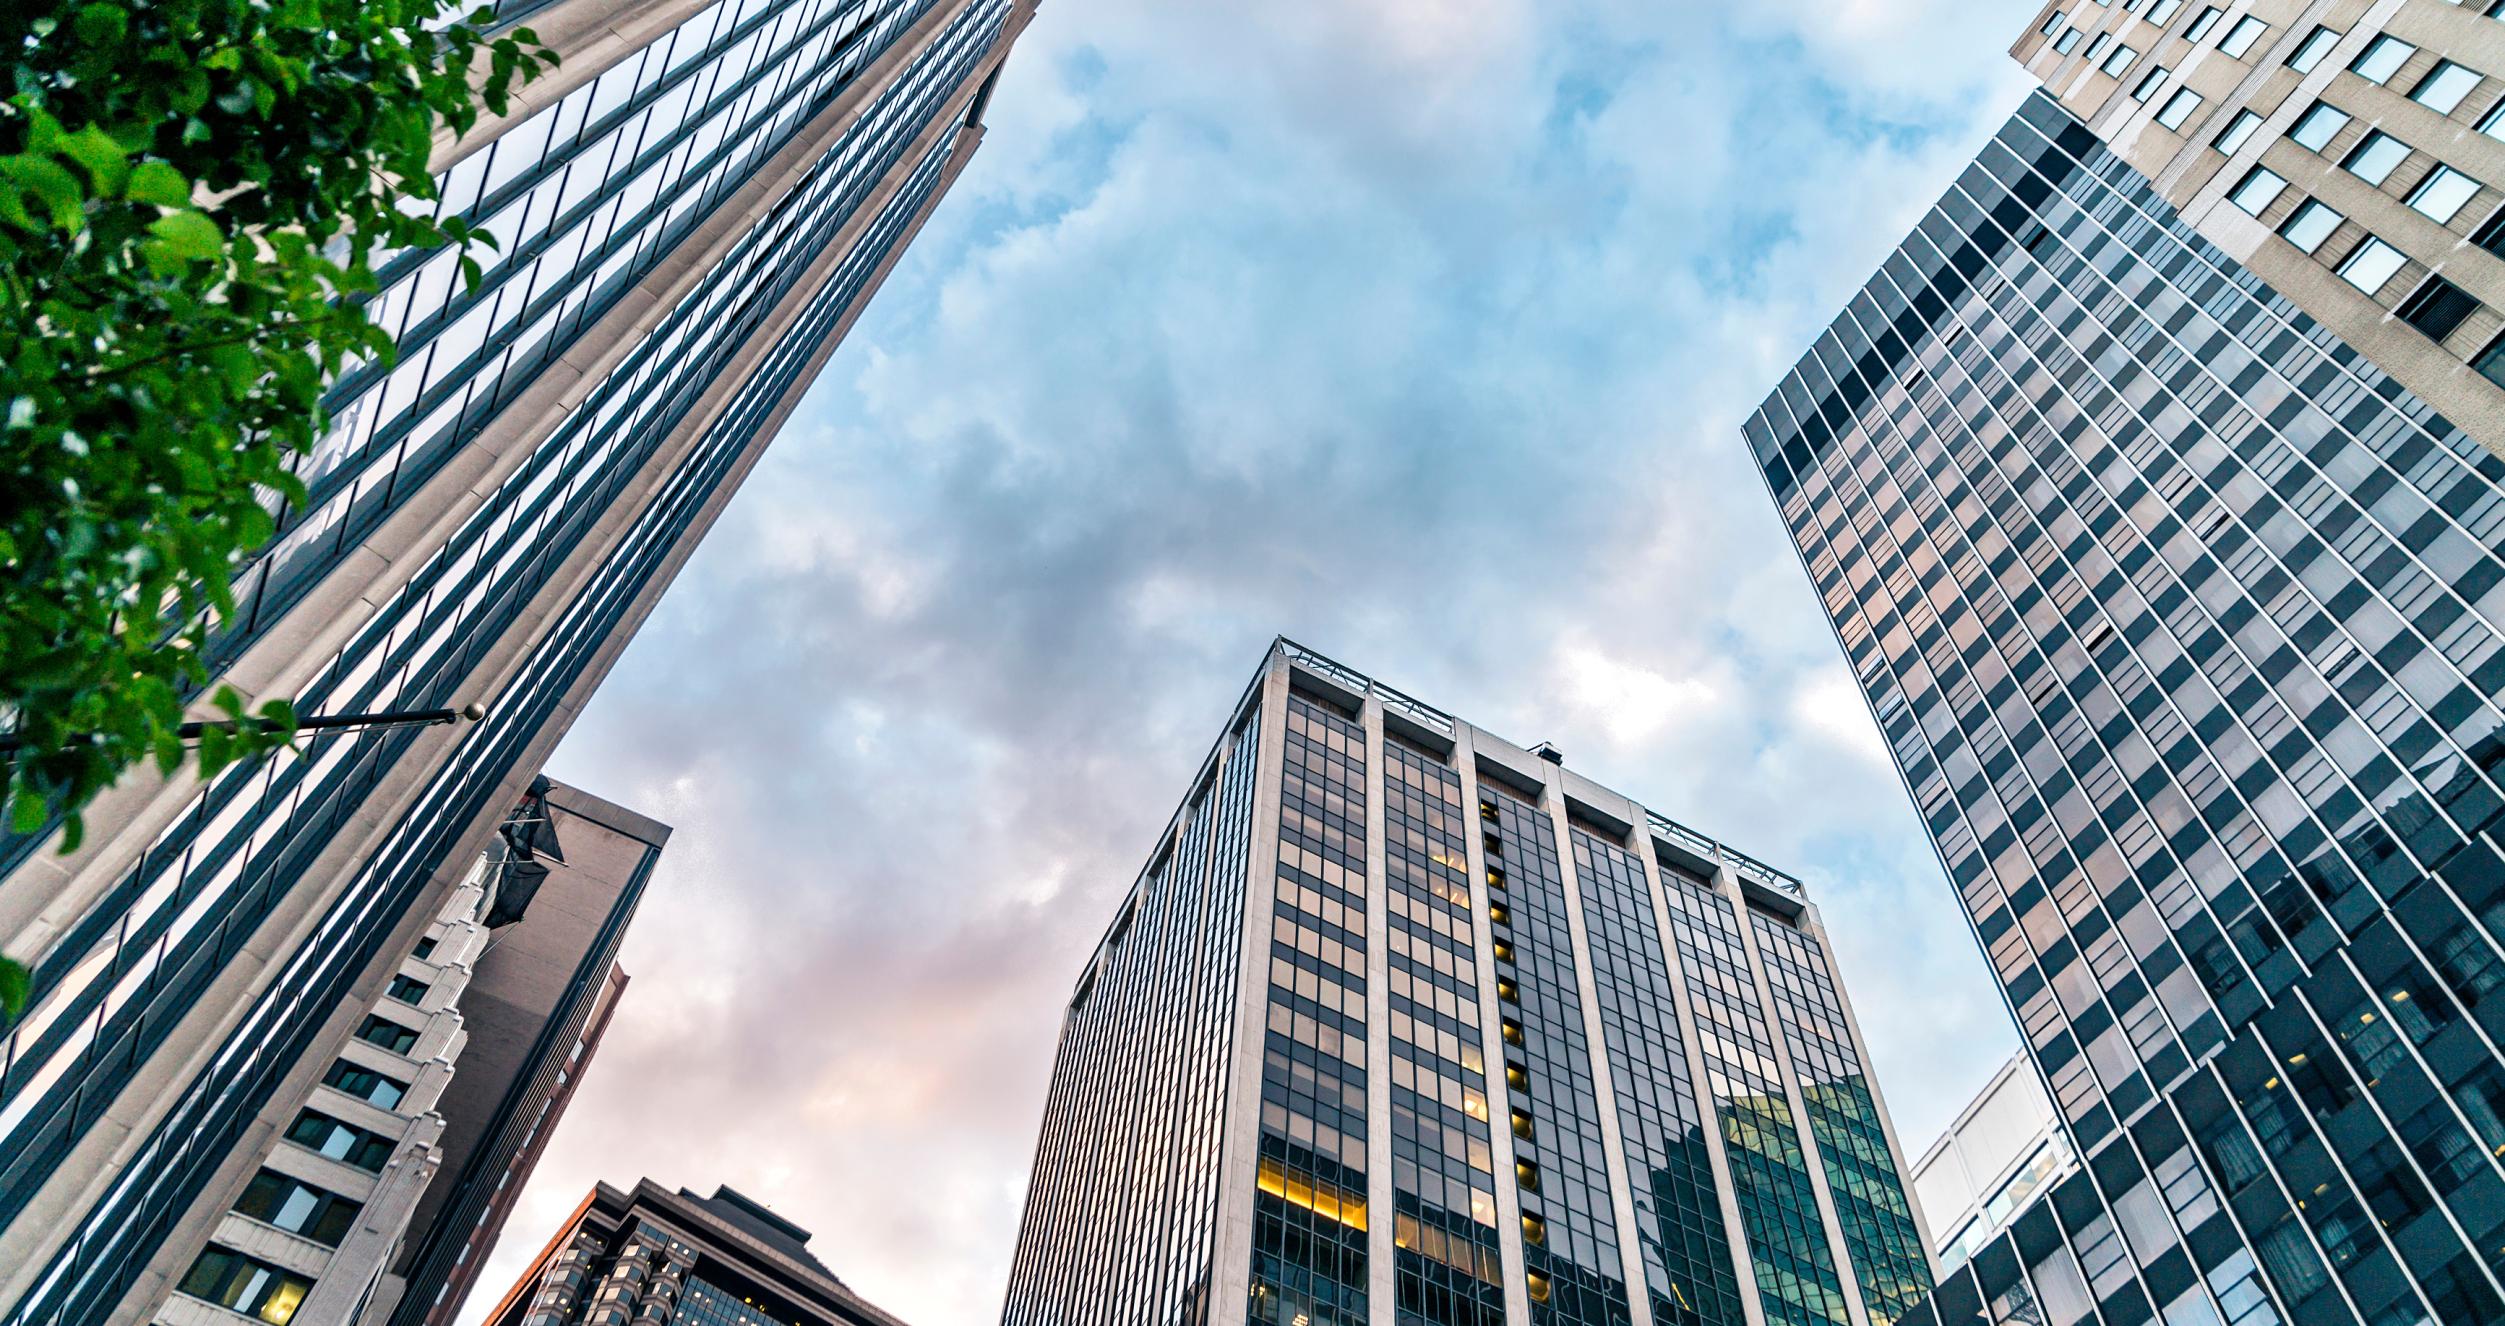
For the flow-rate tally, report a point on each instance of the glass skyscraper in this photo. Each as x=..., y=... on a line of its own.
x=691, y=210
x=1404, y=1024
x=2183, y=621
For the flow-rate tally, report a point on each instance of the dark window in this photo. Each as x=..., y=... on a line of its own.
x=392, y=1036
x=2491, y=362
x=298, y=1207
x=319, y=1132
x=365, y=1084
x=425, y=949
x=408, y=990
x=2437, y=308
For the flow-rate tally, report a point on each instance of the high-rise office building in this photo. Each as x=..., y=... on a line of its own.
x=691, y=211
x=2350, y=153
x=2006, y=1146
x=660, y=1258
x=397, y=1147
x=1403, y=1023
x=2186, y=624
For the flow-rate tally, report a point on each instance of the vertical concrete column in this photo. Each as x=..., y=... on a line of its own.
x=1728, y=885
x=1380, y=1286
x=1491, y=1037
x=1230, y=1278
x=1691, y=1033
x=1595, y=1038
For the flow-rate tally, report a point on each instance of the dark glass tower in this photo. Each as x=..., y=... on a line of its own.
x=1405, y=1024
x=2187, y=627
x=691, y=210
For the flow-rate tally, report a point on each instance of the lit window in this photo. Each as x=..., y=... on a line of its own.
x=2069, y=42
x=2259, y=190
x=2317, y=44
x=2310, y=226
x=2201, y=25
x=2118, y=61
x=2382, y=59
x=2241, y=37
x=246, y=1285
x=2437, y=307
x=2443, y=194
x=2180, y=106
x=2374, y=263
x=2237, y=130
x=2318, y=126
x=2444, y=87
x=2149, y=85
x=2374, y=159
x=2164, y=9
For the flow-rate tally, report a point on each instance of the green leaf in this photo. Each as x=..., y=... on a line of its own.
x=188, y=235
x=159, y=183
x=100, y=25
x=105, y=160
x=48, y=182
x=15, y=983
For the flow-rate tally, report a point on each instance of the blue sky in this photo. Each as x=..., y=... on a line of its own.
x=1417, y=331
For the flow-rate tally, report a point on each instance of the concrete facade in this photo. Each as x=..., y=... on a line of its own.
x=2200, y=95
x=2003, y=1148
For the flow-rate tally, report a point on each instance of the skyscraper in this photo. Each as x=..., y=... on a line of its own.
x=662, y=1258
x=2002, y=1149
x=392, y=1155
x=692, y=209
x=1404, y=1023
x=2351, y=155
x=2186, y=624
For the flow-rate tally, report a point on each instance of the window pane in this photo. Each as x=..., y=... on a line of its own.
x=2258, y=191
x=2179, y=108
x=2120, y=60
x=2312, y=224
x=2444, y=193
x=2373, y=159
x=2241, y=38
x=2319, y=125
x=2149, y=85
x=2200, y=26
x=2317, y=44
x=2164, y=9
x=2383, y=59
x=2443, y=88
x=2371, y=265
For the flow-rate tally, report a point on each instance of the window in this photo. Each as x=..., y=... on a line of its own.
x=2444, y=87
x=2069, y=42
x=2053, y=24
x=2238, y=129
x=2149, y=85
x=2164, y=9
x=2240, y=38
x=2491, y=234
x=392, y=1036
x=2180, y=106
x=2259, y=189
x=2200, y=26
x=254, y=1288
x=2317, y=44
x=298, y=1207
x=425, y=949
x=2437, y=308
x=365, y=1084
x=2310, y=226
x=2491, y=362
x=2316, y=128
x=2118, y=61
x=2382, y=59
x=408, y=989
x=323, y=1135
x=2491, y=8
x=2373, y=159
x=2443, y=194
x=2097, y=48
x=2371, y=265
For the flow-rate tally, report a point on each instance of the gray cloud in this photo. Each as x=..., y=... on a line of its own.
x=1418, y=332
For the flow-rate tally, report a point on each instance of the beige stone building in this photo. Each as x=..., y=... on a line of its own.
x=2349, y=152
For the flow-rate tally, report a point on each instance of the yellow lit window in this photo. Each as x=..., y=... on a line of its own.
x=1534, y=1230
x=1521, y=1124
x=1538, y=1285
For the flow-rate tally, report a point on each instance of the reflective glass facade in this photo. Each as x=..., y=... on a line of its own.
x=2183, y=620
x=1469, y=1092
x=615, y=395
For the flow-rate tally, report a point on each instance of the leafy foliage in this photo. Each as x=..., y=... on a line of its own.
x=194, y=194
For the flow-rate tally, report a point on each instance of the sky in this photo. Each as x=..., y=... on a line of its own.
x=1417, y=331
